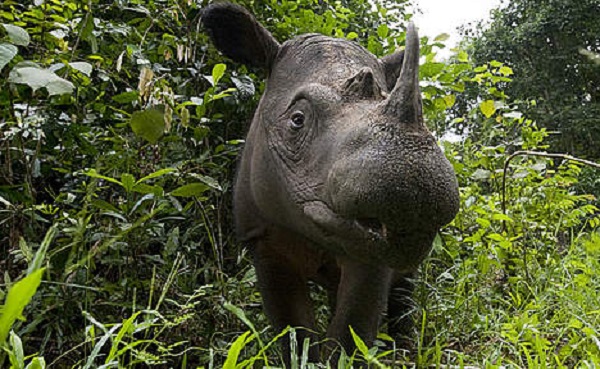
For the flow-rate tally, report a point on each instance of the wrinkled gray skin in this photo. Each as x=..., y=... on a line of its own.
x=339, y=182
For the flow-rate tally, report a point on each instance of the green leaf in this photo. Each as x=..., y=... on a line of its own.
x=18, y=297
x=211, y=182
x=383, y=30
x=147, y=189
x=506, y=71
x=158, y=173
x=87, y=32
x=92, y=173
x=148, y=124
x=239, y=313
x=500, y=216
x=352, y=35
x=117, y=340
x=463, y=57
x=495, y=237
x=37, y=78
x=128, y=181
x=442, y=37
x=83, y=67
x=16, y=354
x=37, y=363
x=40, y=254
x=7, y=53
x=217, y=73
x=431, y=69
x=191, y=190
x=236, y=348
x=17, y=35
x=450, y=100
x=360, y=344
x=481, y=174
x=103, y=205
x=487, y=108
x=126, y=97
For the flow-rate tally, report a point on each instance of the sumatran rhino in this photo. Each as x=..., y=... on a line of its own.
x=340, y=182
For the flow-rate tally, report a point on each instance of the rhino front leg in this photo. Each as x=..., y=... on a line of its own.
x=361, y=299
x=285, y=296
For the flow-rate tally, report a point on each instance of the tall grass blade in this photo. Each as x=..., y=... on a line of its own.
x=236, y=348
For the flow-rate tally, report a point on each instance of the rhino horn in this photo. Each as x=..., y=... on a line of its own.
x=404, y=102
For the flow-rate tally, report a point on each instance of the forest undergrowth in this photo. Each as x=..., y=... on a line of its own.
x=120, y=127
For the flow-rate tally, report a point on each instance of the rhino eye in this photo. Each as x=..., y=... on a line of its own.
x=297, y=119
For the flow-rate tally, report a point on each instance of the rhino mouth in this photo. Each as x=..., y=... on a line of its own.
x=372, y=227
x=362, y=229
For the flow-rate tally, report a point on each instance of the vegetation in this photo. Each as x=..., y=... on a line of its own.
x=120, y=126
x=552, y=46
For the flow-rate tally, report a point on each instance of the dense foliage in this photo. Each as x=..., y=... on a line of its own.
x=120, y=126
x=552, y=46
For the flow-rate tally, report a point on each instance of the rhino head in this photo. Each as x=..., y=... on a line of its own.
x=337, y=162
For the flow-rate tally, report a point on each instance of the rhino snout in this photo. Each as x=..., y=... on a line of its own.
x=390, y=196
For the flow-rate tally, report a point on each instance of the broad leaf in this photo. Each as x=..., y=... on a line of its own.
x=383, y=30
x=148, y=124
x=128, y=181
x=487, y=108
x=83, y=67
x=360, y=344
x=191, y=190
x=217, y=73
x=17, y=35
x=37, y=78
x=506, y=71
x=7, y=53
x=244, y=85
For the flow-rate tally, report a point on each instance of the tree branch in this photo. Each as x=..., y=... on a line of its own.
x=540, y=154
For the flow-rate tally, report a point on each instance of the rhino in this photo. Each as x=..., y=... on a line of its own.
x=339, y=181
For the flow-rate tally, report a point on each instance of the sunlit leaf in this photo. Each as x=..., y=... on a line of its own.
x=217, y=73
x=37, y=78
x=236, y=348
x=83, y=67
x=17, y=298
x=383, y=30
x=17, y=35
x=487, y=108
x=7, y=53
x=506, y=71
x=360, y=344
x=450, y=100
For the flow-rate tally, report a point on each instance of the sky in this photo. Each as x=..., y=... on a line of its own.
x=444, y=16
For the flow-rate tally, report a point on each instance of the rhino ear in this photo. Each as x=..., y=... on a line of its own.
x=392, y=65
x=238, y=35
